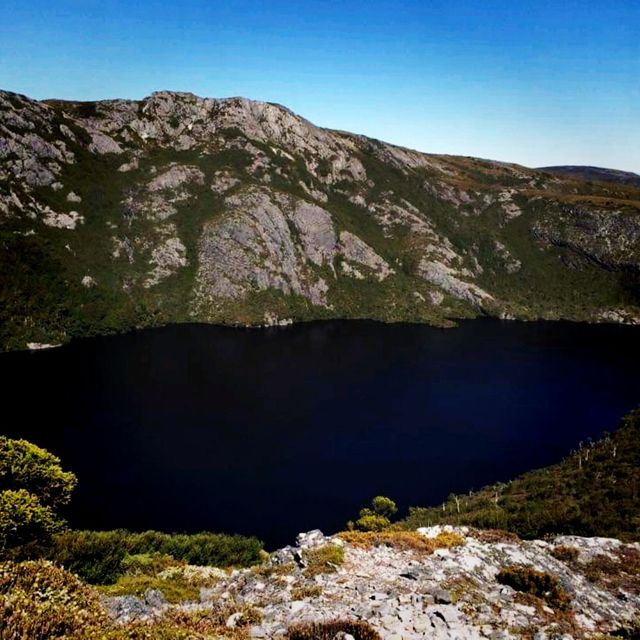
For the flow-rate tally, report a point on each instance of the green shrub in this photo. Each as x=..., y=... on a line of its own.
x=24, y=520
x=372, y=521
x=33, y=487
x=147, y=564
x=537, y=583
x=378, y=517
x=213, y=549
x=359, y=629
x=98, y=556
x=384, y=506
x=25, y=466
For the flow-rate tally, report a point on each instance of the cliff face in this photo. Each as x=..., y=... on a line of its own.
x=438, y=583
x=176, y=208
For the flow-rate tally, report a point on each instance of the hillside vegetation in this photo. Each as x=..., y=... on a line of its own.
x=121, y=214
x=595, y=491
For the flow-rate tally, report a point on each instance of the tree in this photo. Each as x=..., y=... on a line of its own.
x=378, y=517
x=33, y=486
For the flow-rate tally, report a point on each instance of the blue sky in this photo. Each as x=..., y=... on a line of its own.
x=537, y=82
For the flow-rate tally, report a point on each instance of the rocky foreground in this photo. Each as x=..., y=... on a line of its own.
x=436, y=583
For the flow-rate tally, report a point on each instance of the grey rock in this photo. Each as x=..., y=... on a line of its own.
x=253, y=249
x=449, y=280
x=442, y=596
x=127, y=608
x=311, y=539
x=102, y=143
x=176, y=176
x=154, y=598
x=234, y=619
x=356, y=250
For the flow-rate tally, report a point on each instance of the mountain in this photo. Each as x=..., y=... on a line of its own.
x=595, y=173
x=121, y=213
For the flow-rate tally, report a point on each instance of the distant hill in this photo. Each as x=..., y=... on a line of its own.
x=596, y=173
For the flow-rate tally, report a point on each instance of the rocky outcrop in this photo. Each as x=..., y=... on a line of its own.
x=355, y=250
x=253, y=248
x=449, y=279
x=453, y=592
x=609, y=238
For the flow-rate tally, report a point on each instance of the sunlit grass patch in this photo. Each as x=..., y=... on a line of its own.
x=402, y=540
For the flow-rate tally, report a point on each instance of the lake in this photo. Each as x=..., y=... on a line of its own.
x=275, y=431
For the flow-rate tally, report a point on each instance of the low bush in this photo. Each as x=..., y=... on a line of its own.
x=378, y=516
x=565, y=553
x=448, y=540
x=174, y=590
x=268, y=570
x=359, y=629
x=148, y=564
x=306, y=591
x=537, y=583
x=39, y=601
x=620, y=572
x=402, y=540
x=194, y=575
x=205, y=549
x=492, y=536
x=99, y=556
x=96, y=556
x=325, y=559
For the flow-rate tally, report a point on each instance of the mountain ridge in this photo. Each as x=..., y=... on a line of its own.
x=118, y=214
x=587, y=172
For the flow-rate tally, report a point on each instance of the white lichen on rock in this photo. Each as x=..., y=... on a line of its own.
x=62, y=220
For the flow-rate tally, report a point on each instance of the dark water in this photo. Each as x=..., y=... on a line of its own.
x=271, y=432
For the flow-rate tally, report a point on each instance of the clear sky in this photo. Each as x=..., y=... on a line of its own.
x=538, y=82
